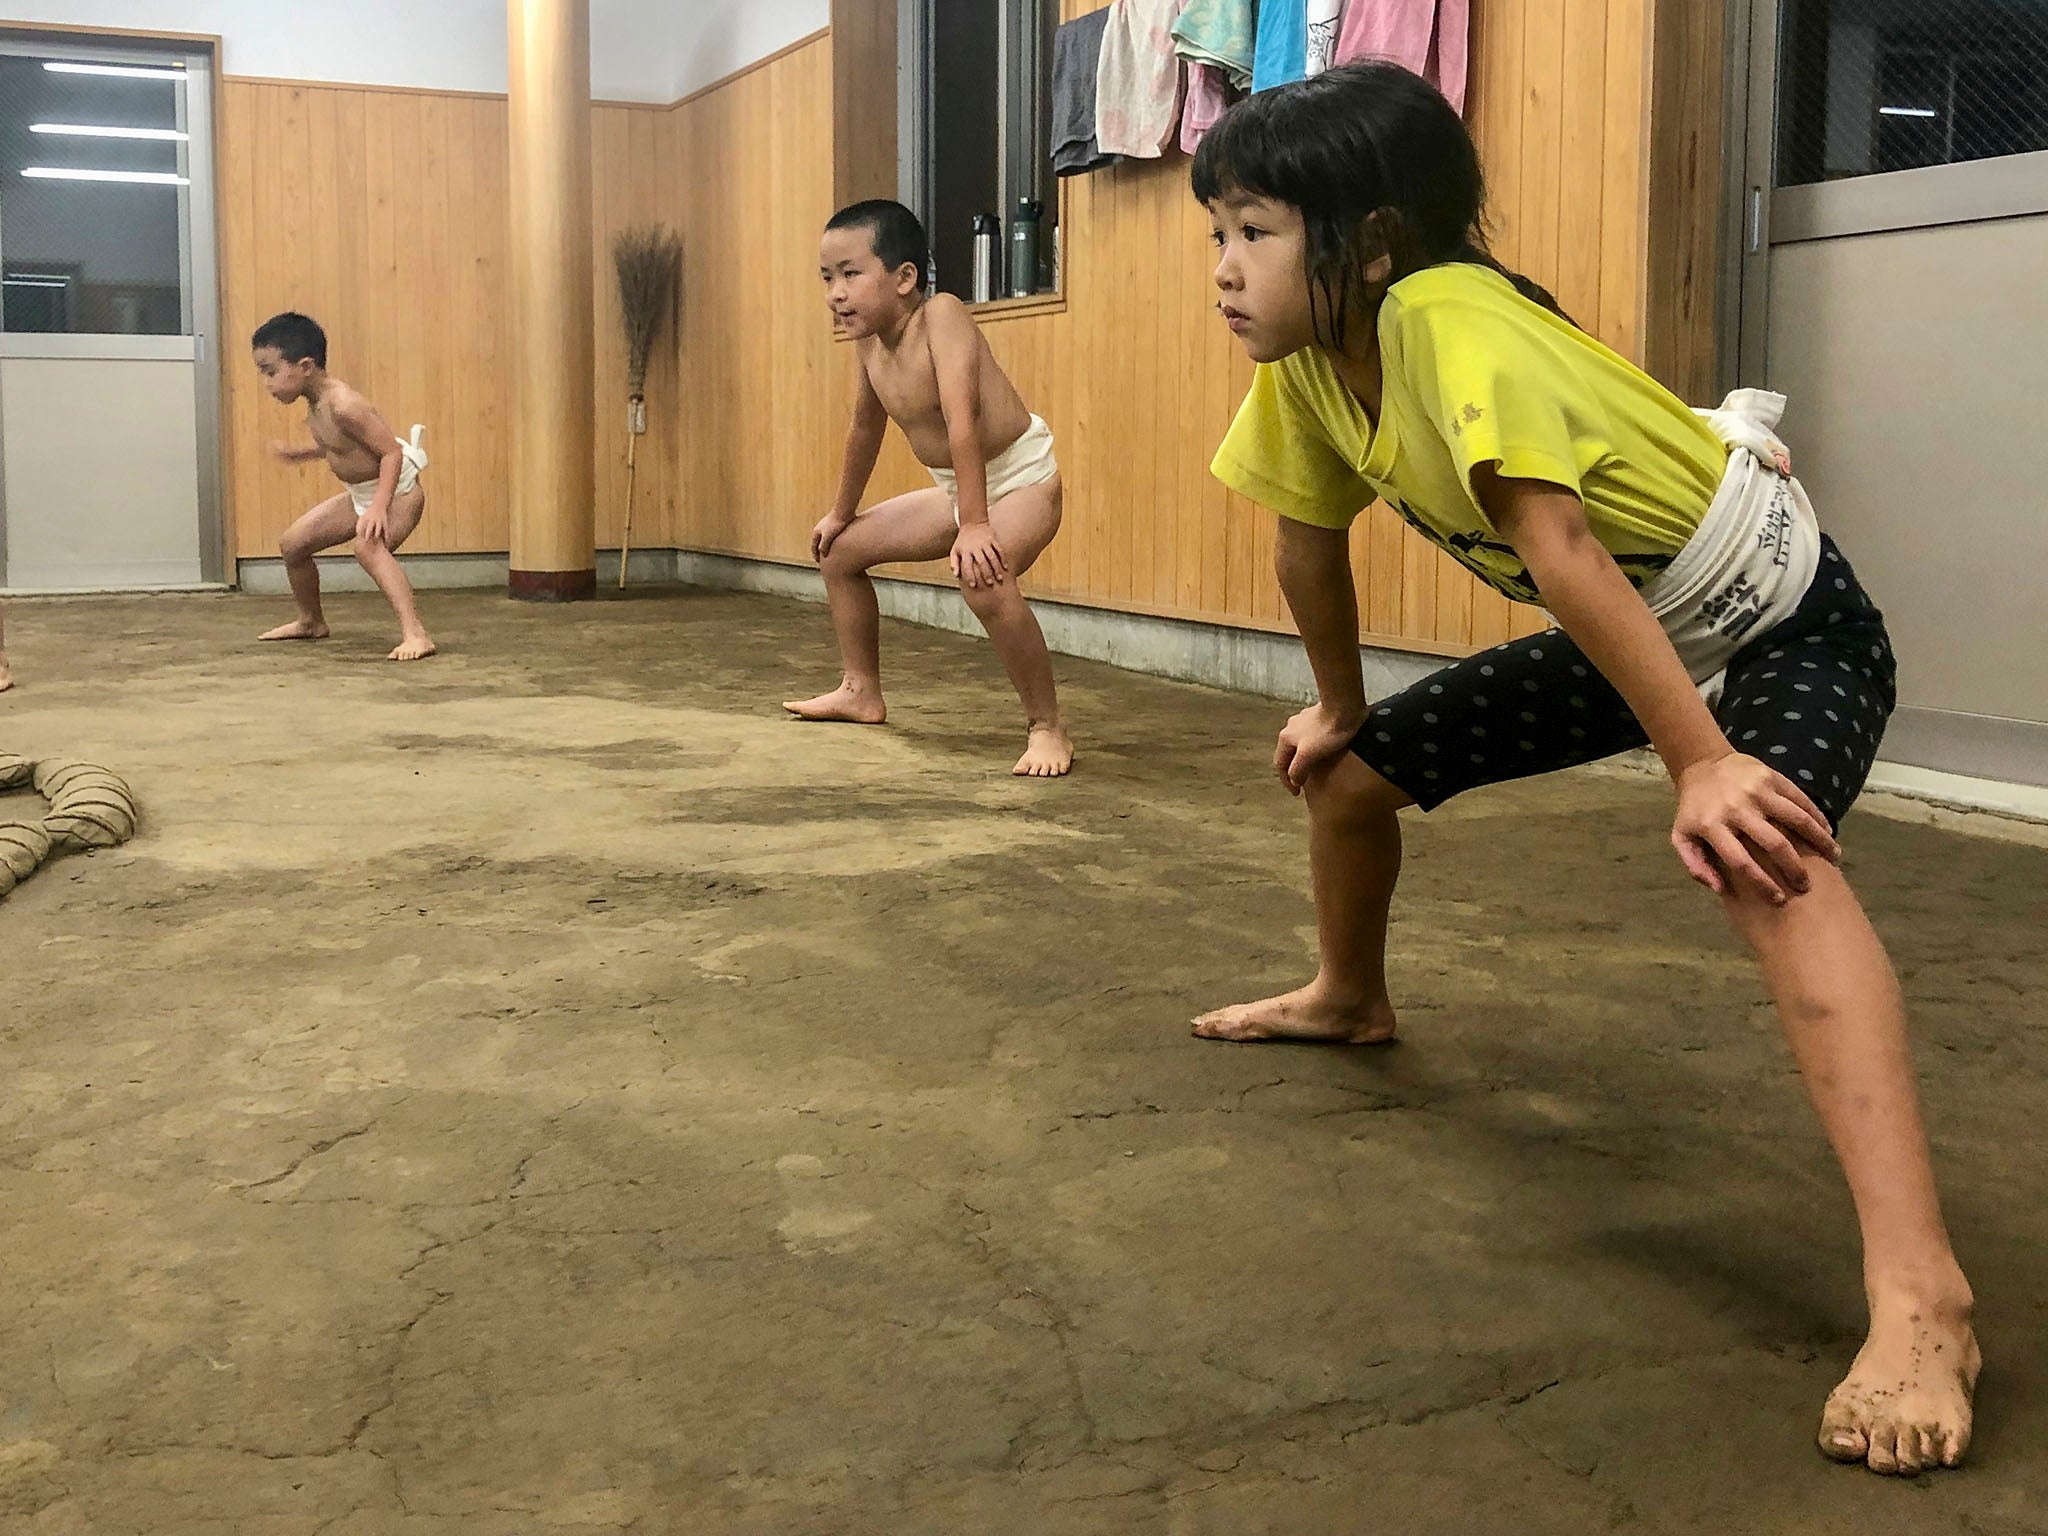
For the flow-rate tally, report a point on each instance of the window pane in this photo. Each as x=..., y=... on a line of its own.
x=91, y=222
x=966, y=151
x=989, y=149
x=1867, y=86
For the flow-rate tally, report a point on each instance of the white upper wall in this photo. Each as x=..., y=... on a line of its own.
x=716, y=37
x=640, y=50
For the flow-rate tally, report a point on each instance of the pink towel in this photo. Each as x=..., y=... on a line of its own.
x=1208, y=99
x=1428, y=36
x=1137, y=84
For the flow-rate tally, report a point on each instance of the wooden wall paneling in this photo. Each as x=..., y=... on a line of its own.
x=629, y=146
x=610, y=211
x=381, y=214
x=1131, y=336
x=862, y=90
x=1582, y=165
x=1683, y=216
x=1190, y=463
x=432, y=244
x=1625, y=198
x=1542, y=139
x=488, y=423
x=454, y=483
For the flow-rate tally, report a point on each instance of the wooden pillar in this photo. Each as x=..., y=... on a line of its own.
x=554, y=426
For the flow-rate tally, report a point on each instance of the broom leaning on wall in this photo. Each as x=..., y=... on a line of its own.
x=649, y=261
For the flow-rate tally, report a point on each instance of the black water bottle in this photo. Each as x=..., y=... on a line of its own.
x=1024, y=248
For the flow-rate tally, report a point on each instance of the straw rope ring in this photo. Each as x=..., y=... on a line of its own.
x=89, y=808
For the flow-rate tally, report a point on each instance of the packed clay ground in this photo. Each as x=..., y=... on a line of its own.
x=542, y=1090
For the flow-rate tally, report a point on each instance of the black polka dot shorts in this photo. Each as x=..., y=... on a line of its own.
x=1810, y=697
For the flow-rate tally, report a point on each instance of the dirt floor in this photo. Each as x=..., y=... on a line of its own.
x=545, y=1091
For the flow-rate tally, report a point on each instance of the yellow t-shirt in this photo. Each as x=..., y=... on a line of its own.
x=1476, y=373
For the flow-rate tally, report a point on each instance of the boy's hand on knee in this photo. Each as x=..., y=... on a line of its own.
x=977, y=558
x=370, y=530
x=1315, y=736
x=826, y=534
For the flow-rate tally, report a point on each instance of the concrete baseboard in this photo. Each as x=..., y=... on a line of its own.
x=1244, y=660
x=340, y=573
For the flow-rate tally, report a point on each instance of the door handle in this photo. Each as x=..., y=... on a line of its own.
x=1756, y=220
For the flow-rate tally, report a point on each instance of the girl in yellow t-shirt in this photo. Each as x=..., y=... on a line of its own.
x=1398, y=360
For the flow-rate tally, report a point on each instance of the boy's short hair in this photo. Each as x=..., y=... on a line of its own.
x=895, y=232
x=293, y=334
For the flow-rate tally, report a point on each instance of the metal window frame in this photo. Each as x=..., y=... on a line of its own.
x=1760, y=215
x=1021, y=121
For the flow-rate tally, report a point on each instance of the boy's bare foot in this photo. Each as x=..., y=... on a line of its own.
x=6, y=677
x=1905, y=1406
x=298, y=629
x=1306, y=1014
x=1048, y=754
x=412, y=648
x=856, y=706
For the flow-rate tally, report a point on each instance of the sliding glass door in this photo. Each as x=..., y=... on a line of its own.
x=109, y=381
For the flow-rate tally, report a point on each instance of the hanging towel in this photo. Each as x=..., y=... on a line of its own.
x=1208, y=99
x=1076, y=53
x=1219, y=32
x=1322, y=34
x=1429, y=37
x=1282, y=53
x=1137, y=86
x=1450, y=52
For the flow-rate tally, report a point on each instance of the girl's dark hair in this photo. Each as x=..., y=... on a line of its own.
x=1358, y=140
x=896, y=233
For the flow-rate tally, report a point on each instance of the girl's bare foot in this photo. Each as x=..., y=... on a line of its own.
x=298, y=629
x=412, y=648
x=849, y=702
x=1306, y=1014
x=1048, y=754
x=1905, y=1406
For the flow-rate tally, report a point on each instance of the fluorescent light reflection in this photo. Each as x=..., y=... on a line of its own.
x=140, y=178
x=88, y=131
x=115, y=71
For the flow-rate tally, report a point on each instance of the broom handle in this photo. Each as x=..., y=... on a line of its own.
x=626, y=538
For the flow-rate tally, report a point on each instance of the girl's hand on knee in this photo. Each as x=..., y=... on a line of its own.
x=977, y=559
x=1310, y=739
x=1740, y=821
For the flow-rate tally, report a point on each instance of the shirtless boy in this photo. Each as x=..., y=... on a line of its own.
x=383, y=501
x=996, y=502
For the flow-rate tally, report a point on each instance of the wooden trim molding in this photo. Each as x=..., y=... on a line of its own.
x=433, y=90
x=140, y=34
x=364, y=85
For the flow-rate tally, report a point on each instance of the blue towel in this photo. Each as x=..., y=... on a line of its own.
x=1283, y=43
